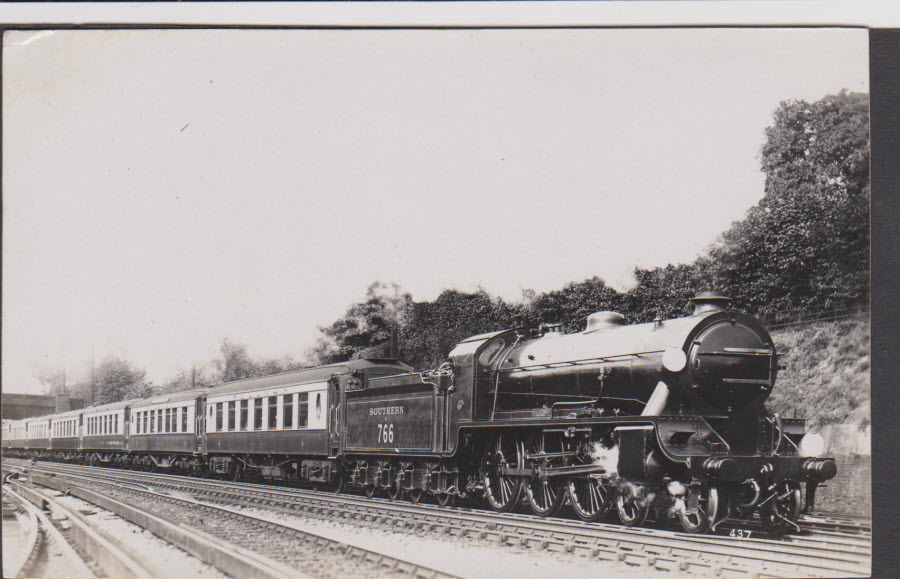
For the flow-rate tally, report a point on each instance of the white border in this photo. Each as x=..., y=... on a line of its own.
x=861, y=13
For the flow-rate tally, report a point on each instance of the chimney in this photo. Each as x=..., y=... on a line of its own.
x=710, y=301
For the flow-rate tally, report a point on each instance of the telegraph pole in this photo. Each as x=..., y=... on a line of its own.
x=92, y=375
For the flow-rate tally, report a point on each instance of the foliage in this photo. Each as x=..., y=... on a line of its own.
x=236, y=363
x=573, y=303
x=202, y=377
x=806, y=244
x=366, y=328
x=116, y=379
x=433, y=328
x=826, y=379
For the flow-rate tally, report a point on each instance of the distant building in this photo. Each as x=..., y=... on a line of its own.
x=16, y=406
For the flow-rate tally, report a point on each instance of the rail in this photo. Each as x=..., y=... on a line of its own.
x=42, y=536
x=228, y=556
x=827, y=553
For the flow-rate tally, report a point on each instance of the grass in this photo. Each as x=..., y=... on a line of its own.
x=827, y=376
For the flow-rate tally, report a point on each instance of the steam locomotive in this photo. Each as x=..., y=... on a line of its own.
x=665, y=419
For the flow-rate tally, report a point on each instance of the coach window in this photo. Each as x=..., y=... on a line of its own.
x=159, y=420
x=257, y=413
x=232, y=417
x=184, y=421
x=244, y=414
x=303, y=410
x=219, y=417
x=288, y=412
x=273, y=412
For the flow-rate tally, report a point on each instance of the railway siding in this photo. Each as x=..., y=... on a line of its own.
x=236, y=543
x=46, y=551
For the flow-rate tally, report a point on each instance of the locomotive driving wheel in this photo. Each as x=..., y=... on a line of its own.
x=546, y=495
x=700, y=519
x=501, y=489
x=632, y=507
x=591, y=497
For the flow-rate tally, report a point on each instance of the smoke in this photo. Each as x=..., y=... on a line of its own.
x=608, y=458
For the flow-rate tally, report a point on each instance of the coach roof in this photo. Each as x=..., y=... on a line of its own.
x=171, y=397
x=306, y=376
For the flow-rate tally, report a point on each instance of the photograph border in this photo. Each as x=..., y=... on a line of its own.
x=884, y=54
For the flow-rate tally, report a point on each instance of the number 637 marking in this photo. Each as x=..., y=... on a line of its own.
x=385, y=433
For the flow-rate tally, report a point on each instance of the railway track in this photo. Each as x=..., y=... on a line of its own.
x=830, y=546
x=34, y=546
x=237, y=543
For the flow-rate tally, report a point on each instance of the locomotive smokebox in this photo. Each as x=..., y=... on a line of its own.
x=710, y=301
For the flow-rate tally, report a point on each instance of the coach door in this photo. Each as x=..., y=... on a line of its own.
x=126, y=427
x=200, y=425
x=335, y=420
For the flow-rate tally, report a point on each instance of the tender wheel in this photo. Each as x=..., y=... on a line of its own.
x=371, y=490
x=394, y=491
x=416, y=495
x=446, y=499
x=339, y=482
x=546, y=497
x=782, y=512
x=591, y=498
x=632, y=511
x=700, y=521
x=502, y=491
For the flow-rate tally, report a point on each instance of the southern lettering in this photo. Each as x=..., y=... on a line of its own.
x=385, y=410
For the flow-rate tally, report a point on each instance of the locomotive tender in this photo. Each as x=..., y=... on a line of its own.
x=664, y=419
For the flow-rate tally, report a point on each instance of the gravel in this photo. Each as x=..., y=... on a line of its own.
x=452, y=555
x=174, y=561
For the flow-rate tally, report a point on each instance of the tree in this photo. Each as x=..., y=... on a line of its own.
x=366, y=329
x=663, y=292
x=434, y=328
x=202, y=377
x=236, y=363
x=116, y=379
x=571, y=305
x=806, y=244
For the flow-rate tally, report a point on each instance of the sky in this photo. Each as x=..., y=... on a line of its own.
x=166, y=189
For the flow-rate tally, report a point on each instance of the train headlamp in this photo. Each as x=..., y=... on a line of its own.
x=812, y=444
x=674, y=360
